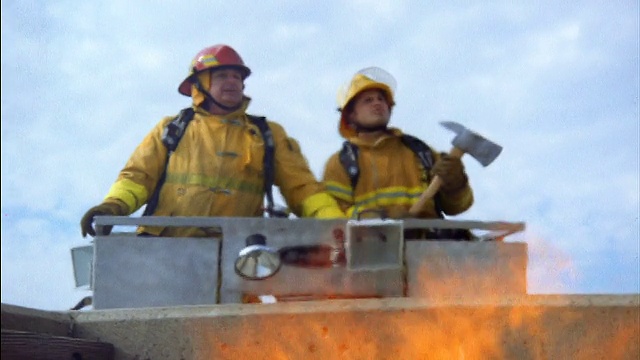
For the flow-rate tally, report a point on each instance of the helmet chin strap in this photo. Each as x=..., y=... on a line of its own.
x=210, y=100
x=369, y=129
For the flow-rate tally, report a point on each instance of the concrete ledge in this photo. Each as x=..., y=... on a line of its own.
x=525, y=327
x=19, y=318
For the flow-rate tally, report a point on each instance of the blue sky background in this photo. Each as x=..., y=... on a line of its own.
x=555, y=83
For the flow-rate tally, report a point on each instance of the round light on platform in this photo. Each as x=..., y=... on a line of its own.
x=257, y=261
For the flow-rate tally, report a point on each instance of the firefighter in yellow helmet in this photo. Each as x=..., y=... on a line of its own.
x=379, y=169
x=217, y=169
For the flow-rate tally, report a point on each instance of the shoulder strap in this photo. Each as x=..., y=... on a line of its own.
x=423, y=152
x=269, y=153
x=349, y=160
x=175, y=129
x=171, y=136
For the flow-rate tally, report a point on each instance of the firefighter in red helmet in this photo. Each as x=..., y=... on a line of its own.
x=218, y=169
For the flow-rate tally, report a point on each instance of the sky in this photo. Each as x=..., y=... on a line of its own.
x=555, y=83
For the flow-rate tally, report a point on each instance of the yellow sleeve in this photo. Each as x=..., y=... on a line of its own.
x=304, y=194
x=292, y=173
x=321, y=206
x=338, y=184
x=137, y=180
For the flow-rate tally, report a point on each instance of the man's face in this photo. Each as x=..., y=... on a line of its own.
x=227, y=86
x=370, y=108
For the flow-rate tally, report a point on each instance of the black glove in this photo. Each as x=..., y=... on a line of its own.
x=451, y=170
x=106, y=208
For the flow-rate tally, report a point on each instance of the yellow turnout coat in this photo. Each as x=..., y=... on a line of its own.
x=391, y=179
x=217, y=170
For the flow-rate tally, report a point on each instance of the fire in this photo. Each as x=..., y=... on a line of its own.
x=412, y=329
x=451, y=311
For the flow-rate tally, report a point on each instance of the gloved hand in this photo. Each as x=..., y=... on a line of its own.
x=106, y=208
x=451, y=170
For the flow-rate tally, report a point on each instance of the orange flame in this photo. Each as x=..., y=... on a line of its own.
x=458, y=314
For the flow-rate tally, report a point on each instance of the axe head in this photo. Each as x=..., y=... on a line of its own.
x=480, y=148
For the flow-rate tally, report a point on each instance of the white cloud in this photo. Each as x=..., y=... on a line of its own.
x=555, y=84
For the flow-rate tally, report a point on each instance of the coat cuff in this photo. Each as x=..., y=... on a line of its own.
x=322, y=206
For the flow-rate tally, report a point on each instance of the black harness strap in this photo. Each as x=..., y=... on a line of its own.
x=421, y=149
x=170, y=138
x=423, y=152
x=349, y=160
x=269, y=155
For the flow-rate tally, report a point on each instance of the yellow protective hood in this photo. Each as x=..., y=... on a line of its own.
x=204, y=78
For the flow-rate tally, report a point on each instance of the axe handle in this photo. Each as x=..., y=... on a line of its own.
x=433, y=187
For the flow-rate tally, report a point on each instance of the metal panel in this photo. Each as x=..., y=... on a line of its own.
x=441, y=269
x=374, y=245
x=296, y=282
x=133, y=272
x=82, y=260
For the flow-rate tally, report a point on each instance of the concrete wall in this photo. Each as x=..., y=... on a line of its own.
x=527, y=327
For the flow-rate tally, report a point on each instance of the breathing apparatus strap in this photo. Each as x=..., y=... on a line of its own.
x=170, y=138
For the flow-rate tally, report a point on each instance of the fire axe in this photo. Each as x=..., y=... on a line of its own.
x=465, y=142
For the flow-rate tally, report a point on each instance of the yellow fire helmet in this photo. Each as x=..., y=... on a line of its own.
x=365, y=79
